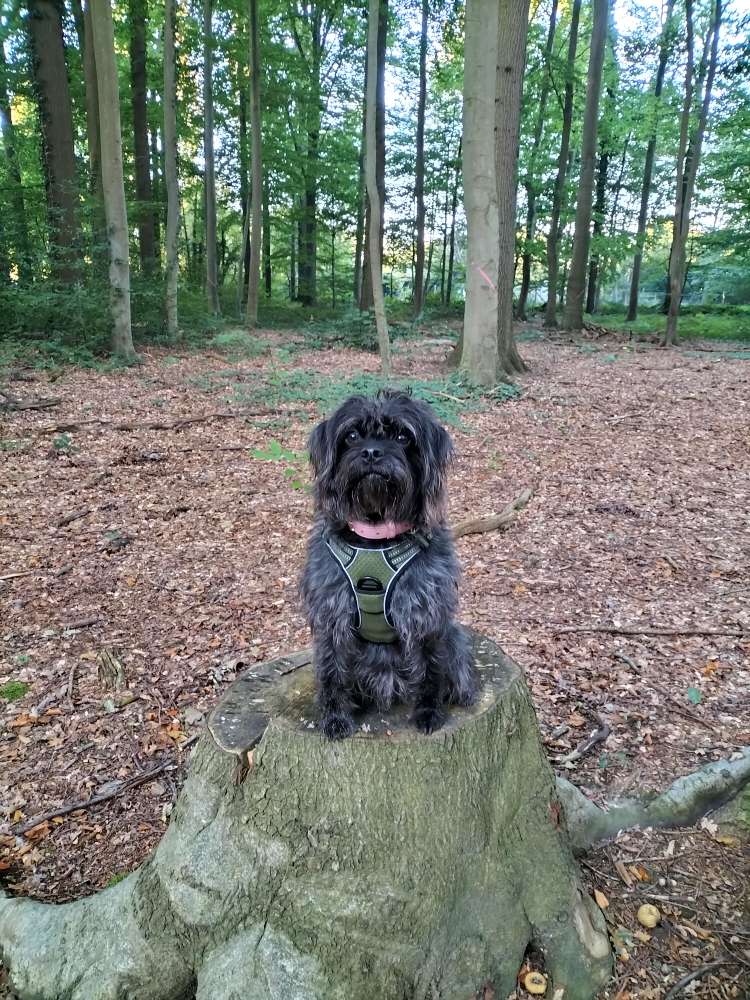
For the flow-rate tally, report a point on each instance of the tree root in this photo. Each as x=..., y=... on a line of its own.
x=682, y=804
x=475, y=526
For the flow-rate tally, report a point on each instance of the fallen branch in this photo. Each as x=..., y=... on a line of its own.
x=14, y=576
x=599, y=735
x=691, y=977
x=682, y=804
x=81, y=623
x=474, y=526
x=656, y=630
x=95, y=800
x=12, y=403
x=152, y=425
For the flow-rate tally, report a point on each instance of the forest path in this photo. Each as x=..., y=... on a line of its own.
x=176, y=551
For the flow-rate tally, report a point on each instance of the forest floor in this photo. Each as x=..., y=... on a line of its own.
x=152, y=531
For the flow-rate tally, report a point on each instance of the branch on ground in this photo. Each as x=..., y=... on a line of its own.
x=682, y=804
x=13, y=403
x=152, y=425
x=495, y=522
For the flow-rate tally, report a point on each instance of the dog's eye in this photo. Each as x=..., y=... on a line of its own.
x=352, y=436
x=402, y=438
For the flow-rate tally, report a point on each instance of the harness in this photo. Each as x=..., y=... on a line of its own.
x=371, y=574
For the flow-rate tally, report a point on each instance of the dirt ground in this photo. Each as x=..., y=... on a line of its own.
x=145, y=556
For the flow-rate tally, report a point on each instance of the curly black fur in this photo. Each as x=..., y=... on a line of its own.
x=380, y=459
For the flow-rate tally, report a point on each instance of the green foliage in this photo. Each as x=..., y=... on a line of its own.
x=238, y=344
x=13, y=690
x=63, y=443
x=709, y=322
x=274, y=452
x=694, y=696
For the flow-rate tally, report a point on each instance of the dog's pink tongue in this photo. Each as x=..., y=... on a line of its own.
x=386, y=529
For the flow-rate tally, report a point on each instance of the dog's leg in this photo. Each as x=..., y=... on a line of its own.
x=333, y=698
x=429, y=713
x=463, y=681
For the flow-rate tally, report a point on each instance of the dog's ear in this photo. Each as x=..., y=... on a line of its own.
x=437, y=455
x=320, y=449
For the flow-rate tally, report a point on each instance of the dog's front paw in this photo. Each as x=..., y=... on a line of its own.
x=428, y=719
x=337, y=727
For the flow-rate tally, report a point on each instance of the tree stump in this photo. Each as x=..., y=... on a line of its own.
x=389, y=866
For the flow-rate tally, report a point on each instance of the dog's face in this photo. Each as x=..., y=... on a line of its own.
x=381, y=459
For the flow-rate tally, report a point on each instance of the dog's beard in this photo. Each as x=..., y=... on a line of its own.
x=385, y=495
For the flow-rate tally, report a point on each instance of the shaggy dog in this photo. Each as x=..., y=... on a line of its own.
x=380, y=583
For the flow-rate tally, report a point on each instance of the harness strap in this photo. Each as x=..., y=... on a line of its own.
x=371, y=573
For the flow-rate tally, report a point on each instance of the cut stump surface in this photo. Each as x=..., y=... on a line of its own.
x=392, y=865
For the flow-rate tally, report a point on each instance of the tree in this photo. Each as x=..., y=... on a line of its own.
x=98, y=226
x=170, y=167
x=371, y=177
x=418, y=290
x=366, y=294
x=582, y=238
x=531, y=183
x=513, y=30
x=56, y=118
x=251, y=315
x=665, y=42
x=212, y=274
x=554, y=233
x=479, y=350
x=688, y=161
x=142, y=159
x=19, y=230
x=112, y=177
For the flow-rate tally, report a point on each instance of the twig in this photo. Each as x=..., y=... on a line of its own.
x=680, y=709
x=599, y=735
x=95, y=800
x=656, y=630
x=14, y=576
x=474, y=526
x=10, y=402
x=153, y=425
x=81, y=623
x=72, y=681
x=74, y=515
x=696, y=974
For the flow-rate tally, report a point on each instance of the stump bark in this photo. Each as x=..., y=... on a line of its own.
x=391, y=866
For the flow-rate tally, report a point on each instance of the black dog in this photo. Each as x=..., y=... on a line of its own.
x=380, y=583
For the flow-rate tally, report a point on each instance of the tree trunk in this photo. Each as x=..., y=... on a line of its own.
x=112, y=177
x=558, y=194
x=53, y=97
x=142, y=159
x=531, y=183
x=479, y=353
x=648, y=169
x=687, y=171
x=573, y=319
x=600, y=205
x=156, y=194
x=292, y=264
x=212, y=277
x=244, y=187
x=366, y=298
x=418, y=289
x=513, y=30
x=452, y=243
x=267, y=273
x=251, y=315
x=333, y=269
x=389, y=865
x=19, y=229
x=361, y=196
x=371, y=178
x=95, y=186
x=170, y=167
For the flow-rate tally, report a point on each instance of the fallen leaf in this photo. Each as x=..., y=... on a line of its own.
x=601, y=900
x=624, y=874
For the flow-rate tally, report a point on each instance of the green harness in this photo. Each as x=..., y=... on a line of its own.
x=372, y=574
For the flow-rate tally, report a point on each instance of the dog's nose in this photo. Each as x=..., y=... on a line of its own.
x=372, y=454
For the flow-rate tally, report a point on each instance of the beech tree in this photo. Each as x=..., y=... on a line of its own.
x=366, y=296
x=582, y=238
x=375, y=261
x=170, y=167
x=419, y=290
x=209, y=186
x=142, y=158
x=112, y=177
x=20, y=231
x=688, y=161
x=251, y=316
x=56, y=118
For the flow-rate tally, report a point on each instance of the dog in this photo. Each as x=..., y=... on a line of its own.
x=380, y=583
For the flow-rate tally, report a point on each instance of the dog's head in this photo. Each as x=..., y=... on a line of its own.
x=381, y=459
